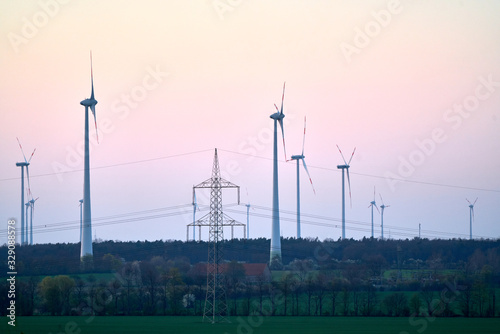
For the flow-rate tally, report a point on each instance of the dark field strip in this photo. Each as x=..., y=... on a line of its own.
x=246, y=325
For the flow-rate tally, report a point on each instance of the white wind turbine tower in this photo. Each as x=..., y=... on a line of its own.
x=275, y=232
x=383, y=206
x=32, y=206
x=373, y=205
x=299, y=158
x=195, y=208
x=471, y=215
x=86, y=245
x=345, y=167
x=248, y=215
x=26, y=163
x=27, y=204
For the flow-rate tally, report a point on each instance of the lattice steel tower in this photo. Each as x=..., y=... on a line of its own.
x=215, y=303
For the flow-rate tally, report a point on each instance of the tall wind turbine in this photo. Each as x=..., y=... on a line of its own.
x=299, y=158
x=373, y=205
x=32, y=206
x=344, y=168
x=275, y=233
x=26, y=163
x=471, y=215
x=383, y=206
x=86, y=245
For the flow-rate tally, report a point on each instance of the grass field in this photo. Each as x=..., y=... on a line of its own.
x=245, y=325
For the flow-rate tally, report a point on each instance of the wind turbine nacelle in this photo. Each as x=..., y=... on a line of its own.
x=22, y=164
x=277, y=116
x=342, y=166
x=88, y=102
x=297, y=157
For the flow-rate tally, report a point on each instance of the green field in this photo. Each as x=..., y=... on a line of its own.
x=245, y=325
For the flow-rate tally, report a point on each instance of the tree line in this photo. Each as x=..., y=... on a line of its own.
x=425, y=278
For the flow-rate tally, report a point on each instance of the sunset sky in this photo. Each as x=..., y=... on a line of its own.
x=413, y=85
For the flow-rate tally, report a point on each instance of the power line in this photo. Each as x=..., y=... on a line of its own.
x=262, y=158
x=113, y=165
x=310, y=219
x=375, y=176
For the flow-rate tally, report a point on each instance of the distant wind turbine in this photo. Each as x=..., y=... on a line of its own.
x=32, y=206
x=86, y=245
x=471, y=215
x=195, y=208
x=26, y=163
x=27, y=204
x=275, y=232
x=299, y=158
x=373, y=205
x=248, y=215
x=345, y=167
x=383, y=206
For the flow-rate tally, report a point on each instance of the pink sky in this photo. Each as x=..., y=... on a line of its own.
x=225, y=71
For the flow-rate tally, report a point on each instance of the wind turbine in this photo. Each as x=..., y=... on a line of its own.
x=27, y=204
x=195, y=208
x=86, y=245
x=275, y=232
x=345, y=167
x=299, y=158
x=32, y=205
x=373, y=205
x=248, y=215
x=471, y=214
x=383, y=206
x=26, y=163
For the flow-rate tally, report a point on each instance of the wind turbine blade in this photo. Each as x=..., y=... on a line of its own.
x=283, y=97
x=91, y=77
x=381, y=199
x=31, y=156
x=475, y=201
x=304, y=138
x=283, y=135
x=351, y=156
x=21, y=149
x=277, y=109
x=305, y=167
x=376, y=207
x=341, y=154
x=92, y=107
x=349, y=183
x=468, y=201
x=374, y=193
